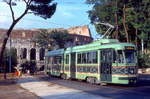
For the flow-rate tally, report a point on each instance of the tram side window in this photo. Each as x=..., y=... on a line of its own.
x=87, y=58
x=58, y=59
x=67, y=59
x=105, y=56
x=114, y=56
x=109, y=56
x=79, y=58
x=49, y=60
x=94, y=57
x=83, y=57
x=55, y=60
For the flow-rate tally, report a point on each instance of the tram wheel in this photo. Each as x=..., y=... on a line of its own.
x=91, y=80
x=49, y=74
x=64, y=76
x=103, y=84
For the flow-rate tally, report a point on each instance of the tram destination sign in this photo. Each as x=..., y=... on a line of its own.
x=129, y=48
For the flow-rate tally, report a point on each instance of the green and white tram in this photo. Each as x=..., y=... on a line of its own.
x=102, y=61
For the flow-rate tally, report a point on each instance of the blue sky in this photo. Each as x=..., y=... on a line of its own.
x=69, y=13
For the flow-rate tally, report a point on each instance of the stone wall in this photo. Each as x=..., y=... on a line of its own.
x=27, y=50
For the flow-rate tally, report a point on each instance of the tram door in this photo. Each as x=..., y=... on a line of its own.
x=73, y=65
x=106, y=64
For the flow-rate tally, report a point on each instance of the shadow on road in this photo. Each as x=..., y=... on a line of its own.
x=114, y=91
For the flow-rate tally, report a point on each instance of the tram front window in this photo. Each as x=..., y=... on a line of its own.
x=130, y=56
x=121, y=56
x=126, y=56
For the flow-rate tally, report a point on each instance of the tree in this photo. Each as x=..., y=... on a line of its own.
x=61, y=38
x=107, y=11
x=43, y=39
x=130, y=17
x=42, y=8
x=51, y=39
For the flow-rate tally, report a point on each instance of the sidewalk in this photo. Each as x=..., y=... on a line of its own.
x=48, y=90
x=10, y=90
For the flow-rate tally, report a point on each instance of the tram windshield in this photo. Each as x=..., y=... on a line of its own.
x=126, y=56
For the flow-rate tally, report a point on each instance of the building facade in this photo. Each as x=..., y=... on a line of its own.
x=27, y=50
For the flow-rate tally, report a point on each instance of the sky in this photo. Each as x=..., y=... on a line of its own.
x=69, y=13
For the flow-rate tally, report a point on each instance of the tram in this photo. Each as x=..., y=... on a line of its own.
x=102, y=61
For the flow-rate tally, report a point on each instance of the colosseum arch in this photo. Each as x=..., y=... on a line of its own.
x=24, y=53
x=15, y=50
x=33, y=54
x=42, y=53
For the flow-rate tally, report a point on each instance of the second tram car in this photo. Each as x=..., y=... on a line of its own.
x=102, y=61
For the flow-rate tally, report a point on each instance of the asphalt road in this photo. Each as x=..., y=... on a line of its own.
x=139, y=91
x=10, y=90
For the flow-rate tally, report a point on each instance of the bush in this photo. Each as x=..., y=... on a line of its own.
x=25, y=66
x=12, y=52
x=29, y=65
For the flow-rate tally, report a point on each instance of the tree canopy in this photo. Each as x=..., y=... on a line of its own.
x=42, y=8
x=130, y=17
x=51, y=39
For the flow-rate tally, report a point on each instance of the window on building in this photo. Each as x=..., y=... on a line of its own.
x=33, y=54
x=23, y=53
x=42, y=53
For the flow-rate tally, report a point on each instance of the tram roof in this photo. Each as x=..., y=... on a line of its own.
x=55, y=52
x=99, y=44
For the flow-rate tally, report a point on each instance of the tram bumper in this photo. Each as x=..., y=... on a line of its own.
x=131, y=80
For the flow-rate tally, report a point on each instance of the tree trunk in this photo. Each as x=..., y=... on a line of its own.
x=116, y=21
x=4, y=46
x=8, y=34
x=136, y=37
x=124, y=23
x=116, y=27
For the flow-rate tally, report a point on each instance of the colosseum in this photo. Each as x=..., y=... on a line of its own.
x=27, y=50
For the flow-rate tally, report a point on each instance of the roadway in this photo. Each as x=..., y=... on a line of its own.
x=57, y=88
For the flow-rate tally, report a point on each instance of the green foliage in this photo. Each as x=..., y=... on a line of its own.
x=137, y=17
x=137, y=21
x=143, y=36
x=61, y=38
x=43, y=8
x=51, y=39
x=43, y=39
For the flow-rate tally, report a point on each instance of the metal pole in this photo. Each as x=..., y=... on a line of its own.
x=142, y=41
x=10, y=54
